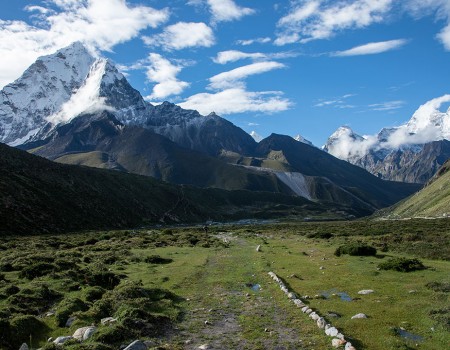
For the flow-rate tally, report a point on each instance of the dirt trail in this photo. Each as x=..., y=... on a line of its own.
x=235, y=306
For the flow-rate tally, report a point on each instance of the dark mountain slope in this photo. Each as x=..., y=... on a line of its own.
x=40, y=196
x=99, y=140
x=311, y=161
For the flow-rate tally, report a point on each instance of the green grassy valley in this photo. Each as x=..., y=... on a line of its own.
x=183, y=288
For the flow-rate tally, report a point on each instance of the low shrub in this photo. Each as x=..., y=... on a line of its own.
x=92, y=294
x=33, y=300
x=36, y=270
x=356, y=249
x=10, y=290
x=102, y=278
x=156, y=259
x=322, y=235
x=402, y=265
x=67, y=307
x=19, y=330
x=439, y=286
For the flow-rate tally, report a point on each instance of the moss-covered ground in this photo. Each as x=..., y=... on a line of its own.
x=181, y=288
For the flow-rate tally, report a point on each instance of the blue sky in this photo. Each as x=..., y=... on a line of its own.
x=282, y=66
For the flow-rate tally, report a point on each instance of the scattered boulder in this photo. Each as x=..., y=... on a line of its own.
x=62, y=339
x=365, y=291
x=136, y=345
x=258, y=248
x=360, y=315
x=24, y=346
x=204, y=347
x=292, y=295
x=314, y=316
x=84, y=333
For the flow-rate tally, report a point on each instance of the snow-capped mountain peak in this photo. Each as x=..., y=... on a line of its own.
x=301, y=139
x=57, y=88
x=257, y=137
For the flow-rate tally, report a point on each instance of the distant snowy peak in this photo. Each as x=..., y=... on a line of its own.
x=301, y=139
x=427, y=124
x=257, y=137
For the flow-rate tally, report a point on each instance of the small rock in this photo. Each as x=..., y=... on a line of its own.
x=361, y=315
x=136, y=345
x=204, y=347
x=258, y=248
x=292, y=295
x=298, y=303
x=187, y=342
x=321, y=323
x=340, y=336
x=365, y=291
x=207, y=323
x=349, y=346
x=332, y=331
x=314, y=316
x=89, y=332
x=70, y=321
x=304, y=309
x=49, y=314
x=266, y=330
x=62, y=339
x=50, y=339
x=333, y=315
x=308, y=311
x=321, y=268
x=24, y=346
x=336, y=343
x=412, y=291
x=108, y=320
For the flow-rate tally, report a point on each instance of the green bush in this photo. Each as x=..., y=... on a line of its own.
x=11, y=290
x=439, y=286
x=66, y=308
x=104, y=279
x=22, y=327
x=34, y=299
x=402, y=265
x=322, y=235
x=356, y=249
x=92, y=294
x=113, y=334
x=156, y=259
x=36, y=270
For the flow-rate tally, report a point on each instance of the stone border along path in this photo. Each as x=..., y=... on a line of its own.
x=338, y=338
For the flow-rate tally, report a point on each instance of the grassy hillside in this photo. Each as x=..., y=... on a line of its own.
x=37, y=196
x=432, y=201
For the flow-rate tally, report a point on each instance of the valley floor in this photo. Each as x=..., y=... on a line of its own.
x=213, y=289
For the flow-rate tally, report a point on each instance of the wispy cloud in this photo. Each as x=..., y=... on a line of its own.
x=100, y=24
x=339, y=102
x=372, y=48
x=387, y=106
x=234, y=77
x=263, y=40
x=243, y=101
x=313, y=20
x=182, y=35
x=225, y=57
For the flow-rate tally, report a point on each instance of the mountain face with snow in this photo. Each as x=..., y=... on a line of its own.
x=58, y=87
x=412, y=152
x=301, y=139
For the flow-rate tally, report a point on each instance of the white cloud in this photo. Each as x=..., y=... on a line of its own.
x=234, y=77
x=100, y=24
x=439, y=8
x=164, y=73
x=372, y=48
x=339, y=102
x=263, y=40
x=242, y=101
x=227, y=10
x=183, y=35
x=87, y=99
x=224, y=57
x=387, y=106
x=315, y=20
